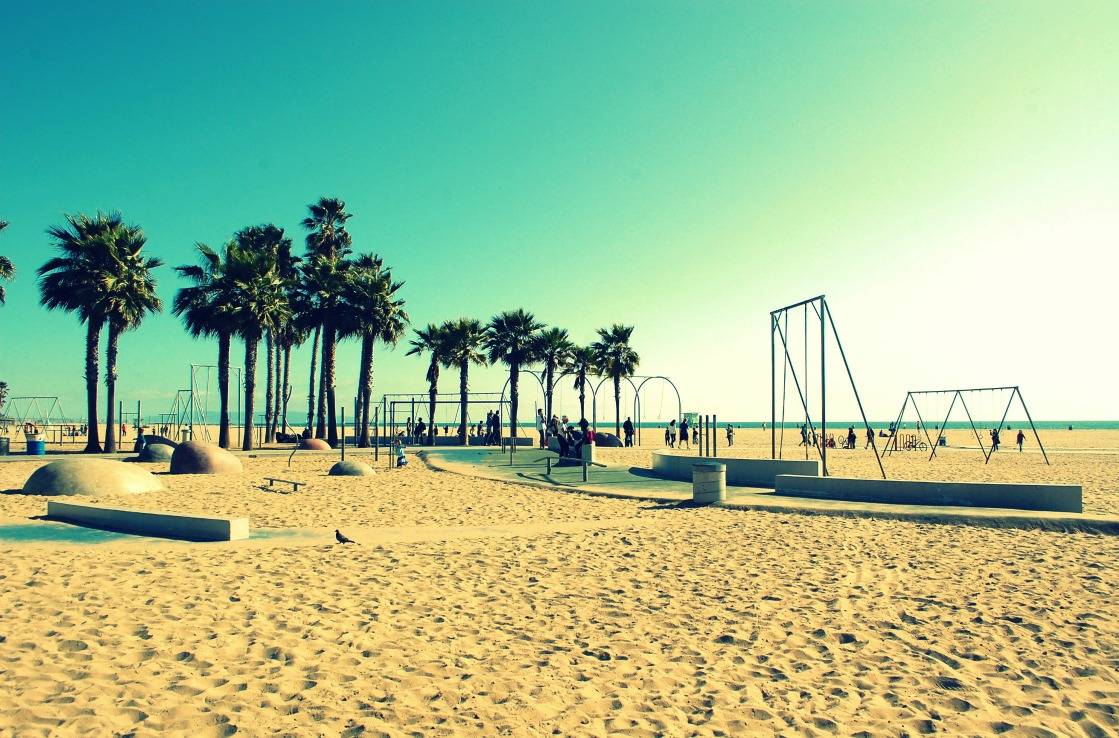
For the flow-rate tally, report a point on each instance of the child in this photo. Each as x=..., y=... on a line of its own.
x=398, y=448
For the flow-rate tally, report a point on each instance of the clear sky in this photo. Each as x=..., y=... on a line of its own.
x=946, y=172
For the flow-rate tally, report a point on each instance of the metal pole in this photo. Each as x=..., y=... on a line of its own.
x=973, y=428
x=823, y=389
x=843, y=355
x=943, y=426
x=120, y=423
x=921, y=420
x=715, y=436
x=1023, y=401
x=796, y=381
x=342, y=408
x=1001, y=422
x=137, y=418
x=376, y=435
x=772, y=390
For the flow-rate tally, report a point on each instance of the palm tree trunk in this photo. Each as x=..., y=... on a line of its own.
x=549, y=370
x=463, y=394
x=514, y=381
x=277, y=374
x=365, y=388
x=269, y=380
x=111, y=388
x=618, y=406
x=224, y=339
x=284, y=389
x=92, y=339
x=583, y=398
x=312, y=393
x=330, y=346
x=250, y=389
x=432, y=391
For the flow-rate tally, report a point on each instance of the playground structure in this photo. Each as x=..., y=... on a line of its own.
x=417, y=404
x=958, y=395
x=779, y=328
x=42, y=411
x=191, y=406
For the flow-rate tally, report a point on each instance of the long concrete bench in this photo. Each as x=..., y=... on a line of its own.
x=740, y=472
x=1055, y=497
x=150, y=522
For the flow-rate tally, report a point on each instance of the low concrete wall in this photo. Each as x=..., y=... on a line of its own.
x=1055, y=497
x=150, y=522
x=740, y=472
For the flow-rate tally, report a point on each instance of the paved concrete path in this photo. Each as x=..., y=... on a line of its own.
x=528, y=467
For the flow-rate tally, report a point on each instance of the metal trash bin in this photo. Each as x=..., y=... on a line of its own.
x=36, y=446
x=709, y=483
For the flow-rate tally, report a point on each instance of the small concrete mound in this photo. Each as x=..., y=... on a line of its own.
x=314, y=444
x=196, y=457
x=90, y=477
x=350, y=469
x=156, y=452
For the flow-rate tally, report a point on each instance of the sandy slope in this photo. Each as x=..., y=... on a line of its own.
x=557, y=615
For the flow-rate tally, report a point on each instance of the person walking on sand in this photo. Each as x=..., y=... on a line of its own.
x=1021, y=439
x=684, y=438
x=851, y=436
x=671, y=430
x=869, y=438
x=803, y=435
x=627, y=430
x=994, y=440
x=730, y=435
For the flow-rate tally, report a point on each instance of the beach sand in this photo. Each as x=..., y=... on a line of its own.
x=472, y=607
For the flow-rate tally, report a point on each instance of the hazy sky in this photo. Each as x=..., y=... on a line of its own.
x=946, y=172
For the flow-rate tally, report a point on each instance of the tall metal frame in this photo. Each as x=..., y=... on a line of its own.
x=637, y=401
x=422, y=398
x=195, y=409
x=958, y=394
x=819, y=305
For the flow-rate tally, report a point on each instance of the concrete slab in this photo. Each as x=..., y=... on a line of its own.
x=150, y=522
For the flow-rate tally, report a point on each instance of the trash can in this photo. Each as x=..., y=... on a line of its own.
x=709, y=483
x=5, y=445
x=36, y=447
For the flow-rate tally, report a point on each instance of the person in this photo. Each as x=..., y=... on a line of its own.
x=487, y=437
x=851, y=436
x=627, y=430
x=1021, y=439
x=684, y=437
x=672, y=433
x=869, y=437
x=667, y=436
x=730, y=434
x=586, y=436
x=446, y=430
x=541, y=428
x=418, y=434
x=695, y=435
x=398, y=449
x=994, y=439
x=124, y=430
x=409, y=428
x=803, y=435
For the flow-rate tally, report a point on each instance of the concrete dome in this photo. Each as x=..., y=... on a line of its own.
x=314, y=444
x=90, y=477
x=156, y=452
x=607, y=440
x=196, y=457
x=350, y=469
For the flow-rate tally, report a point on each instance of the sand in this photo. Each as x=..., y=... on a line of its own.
x=473, y=607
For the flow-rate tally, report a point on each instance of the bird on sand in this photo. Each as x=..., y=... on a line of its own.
x=341, y=538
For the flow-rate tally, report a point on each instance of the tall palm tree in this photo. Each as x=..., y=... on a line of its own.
x=329, y=243
x=205, y=308
x=127, y=295
x=260, y=304
x=584, y=364
x=432, y=341
x=464, y=339
x=555, y=349
x=510, y=339
x=7, y=269
x=71, y=282
x=616, y=359
x=372, y=311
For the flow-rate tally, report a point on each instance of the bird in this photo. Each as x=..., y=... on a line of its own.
x=341, y=538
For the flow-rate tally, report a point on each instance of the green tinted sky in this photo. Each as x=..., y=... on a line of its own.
x=947, y=172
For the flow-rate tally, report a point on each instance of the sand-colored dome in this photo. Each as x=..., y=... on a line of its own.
x=90, y=477
x=314, y=444
x=350, y=469
x=196, y=457
x=156, y=452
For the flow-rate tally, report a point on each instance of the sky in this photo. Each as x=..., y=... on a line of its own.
x=947, y=173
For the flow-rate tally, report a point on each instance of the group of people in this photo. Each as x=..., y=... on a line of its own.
x=688, y=434
x=570, y=439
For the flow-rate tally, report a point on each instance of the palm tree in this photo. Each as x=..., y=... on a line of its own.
x=584, y=364
x=555, y=349
x=329, y=243
x=72, y=281
x=205, y=308
x=371, y=310
x=260, y=304
x=510, y=338
x=616, y=359
x=127, y=294
x=431, y=340
x=464, y=339
x=7, y=269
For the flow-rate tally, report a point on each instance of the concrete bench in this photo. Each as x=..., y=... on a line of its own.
x=740, y=472
x=1055, y=497
x=181, y=526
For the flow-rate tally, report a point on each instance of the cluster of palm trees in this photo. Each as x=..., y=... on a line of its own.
x=254, y=289
x=517, y=340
